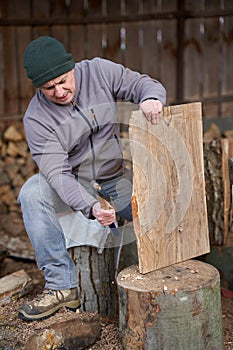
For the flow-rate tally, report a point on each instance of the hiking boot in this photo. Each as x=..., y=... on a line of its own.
x=48, y=303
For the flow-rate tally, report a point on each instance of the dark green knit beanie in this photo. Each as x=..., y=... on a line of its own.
x=45, y=58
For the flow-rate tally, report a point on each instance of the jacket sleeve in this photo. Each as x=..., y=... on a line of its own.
x=52, y=161
x=130, y=85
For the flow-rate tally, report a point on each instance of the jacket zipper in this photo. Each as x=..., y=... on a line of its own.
x=92, y=132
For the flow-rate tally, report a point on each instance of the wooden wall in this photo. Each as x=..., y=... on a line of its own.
x=186, y=44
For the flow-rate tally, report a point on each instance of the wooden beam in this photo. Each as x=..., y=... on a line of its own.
x=114, y=19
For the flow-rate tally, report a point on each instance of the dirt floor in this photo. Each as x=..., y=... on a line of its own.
x=14, y=333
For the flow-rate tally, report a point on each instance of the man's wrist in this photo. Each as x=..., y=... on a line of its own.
x=91, y=216
x=88, y=211
x=149, y=98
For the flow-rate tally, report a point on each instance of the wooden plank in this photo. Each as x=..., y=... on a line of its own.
x=60, y=32
x=167, y=47
x=133, y=6
x=40, y=9
x=38, y=31
x=112, y=50
x=228, y=5
x=93, y=41
x=169, y=205
x=94, y=8
x=10, y=68
x=93, y=32
x=166, y=5
x=167, y=57
x=150, y=53
x=26, y=89
x=227, y=153
x=194, y=5
x=10, y=71
x=133, y=48
x=111, y=32
x=58, y=9
x=227, y=56
x=210, y=58
x=77, y=10
x=193, y=51
x=227, y=65
x=132, y=52
x=113, y=7
x=77, y=42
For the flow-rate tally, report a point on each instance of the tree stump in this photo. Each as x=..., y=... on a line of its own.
x=173, y=308
x=96, y=280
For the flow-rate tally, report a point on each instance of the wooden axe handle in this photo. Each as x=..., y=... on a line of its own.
x=104, y=204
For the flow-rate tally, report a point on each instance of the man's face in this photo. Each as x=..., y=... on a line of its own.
x=60, y=90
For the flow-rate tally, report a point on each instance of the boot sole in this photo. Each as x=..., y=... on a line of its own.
x=72, y=305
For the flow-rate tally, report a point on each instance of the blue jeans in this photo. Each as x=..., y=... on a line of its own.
x=40, y=205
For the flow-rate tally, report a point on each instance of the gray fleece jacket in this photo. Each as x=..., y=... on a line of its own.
x=69, y=143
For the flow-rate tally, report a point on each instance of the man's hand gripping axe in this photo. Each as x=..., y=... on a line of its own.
x=102, y=198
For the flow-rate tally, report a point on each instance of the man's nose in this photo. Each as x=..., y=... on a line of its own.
x=59, y=91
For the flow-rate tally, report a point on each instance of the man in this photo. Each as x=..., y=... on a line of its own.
x=73, y=136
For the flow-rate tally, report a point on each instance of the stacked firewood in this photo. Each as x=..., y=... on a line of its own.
x=218, y=149
x=16, y=166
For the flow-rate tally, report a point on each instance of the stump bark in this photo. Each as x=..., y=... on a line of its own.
x=177, y=307
x=96, y=280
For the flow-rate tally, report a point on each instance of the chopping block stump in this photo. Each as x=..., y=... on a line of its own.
x=174, y=308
